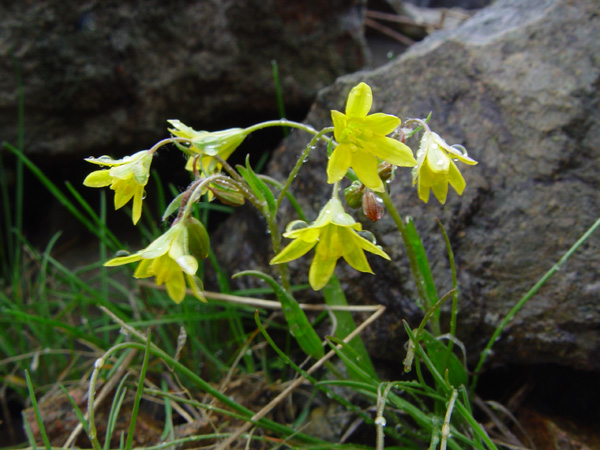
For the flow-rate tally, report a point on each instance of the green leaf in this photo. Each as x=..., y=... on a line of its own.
x=297, y=321
x=259, y=188
x=444, y=360
x=423, y=266
x=353, y=361
x=334, y=296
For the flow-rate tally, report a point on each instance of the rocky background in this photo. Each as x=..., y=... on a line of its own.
x=517, y=84
x=503, y=86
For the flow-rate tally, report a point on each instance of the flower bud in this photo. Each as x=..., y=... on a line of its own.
x=198, y=240
x=386, y=171
x=354, y=194
x=372, y=206
x=227, y=194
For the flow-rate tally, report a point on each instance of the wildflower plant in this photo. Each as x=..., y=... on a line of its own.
x=367, y=151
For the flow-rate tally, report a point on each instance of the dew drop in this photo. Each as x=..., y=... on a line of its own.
x=144, y=195
x=380, y=421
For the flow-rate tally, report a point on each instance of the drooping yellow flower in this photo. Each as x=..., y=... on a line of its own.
x=172, y=259
x=362, y=141
x=436, y=169
x=127, y=177
x=206, y=145
x=334, y=233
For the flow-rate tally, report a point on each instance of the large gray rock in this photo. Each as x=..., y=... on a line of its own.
x=104, y=75
x=517, y=85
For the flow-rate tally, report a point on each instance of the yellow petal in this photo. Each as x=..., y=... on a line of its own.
x=381, y=124
x=393, y=151
x=320, y=271
x=294, y=250
x=369, y=246
x=176, y=287
x=339, y=163
x=137, y=204
x=354, y=255
x=144, y=269
x=98, y=178
x=456, y=179
x=124, y=191
x=423, y=190
x=123, y=260
x=359, y=101
x=365, y=167
x=339, y=124
x=437, y=160
x=440, y=191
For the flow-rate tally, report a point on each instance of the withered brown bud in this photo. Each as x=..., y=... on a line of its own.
x=372, y=206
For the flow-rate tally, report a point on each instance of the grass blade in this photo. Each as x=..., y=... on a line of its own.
x=36, y=409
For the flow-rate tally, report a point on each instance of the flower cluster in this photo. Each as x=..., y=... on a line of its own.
x=363, y=144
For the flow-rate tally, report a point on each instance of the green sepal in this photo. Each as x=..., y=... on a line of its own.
x=259, y=187
x=298, y=323
x=173, y=206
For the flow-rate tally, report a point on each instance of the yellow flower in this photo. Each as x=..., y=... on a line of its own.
x=127, y=177
x=334, y=234
x=172, y=259
x=435, y=168
x=362, y=141
x=207, y=144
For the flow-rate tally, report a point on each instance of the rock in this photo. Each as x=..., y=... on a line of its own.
x=523, y=99
x=98, y=76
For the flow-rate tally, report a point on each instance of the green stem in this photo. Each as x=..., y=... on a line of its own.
x=412, y=257
x=515, y=309
x=171, y=140
x=454, y=310
x=281, y=123
x=284, y=271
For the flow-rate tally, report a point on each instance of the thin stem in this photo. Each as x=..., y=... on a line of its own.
x=412, y=257
x=284, y=271
x=446, y=426
x=515, y=309
x=454, y=310
x=281, y=123
x=335, y=190
x=301, y=160
x=170, y=140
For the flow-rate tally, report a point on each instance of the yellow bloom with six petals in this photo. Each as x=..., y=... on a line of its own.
x=127, y=177
x=362, y=141
x=172, y=259
x=436, y=169
x=334, y=233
